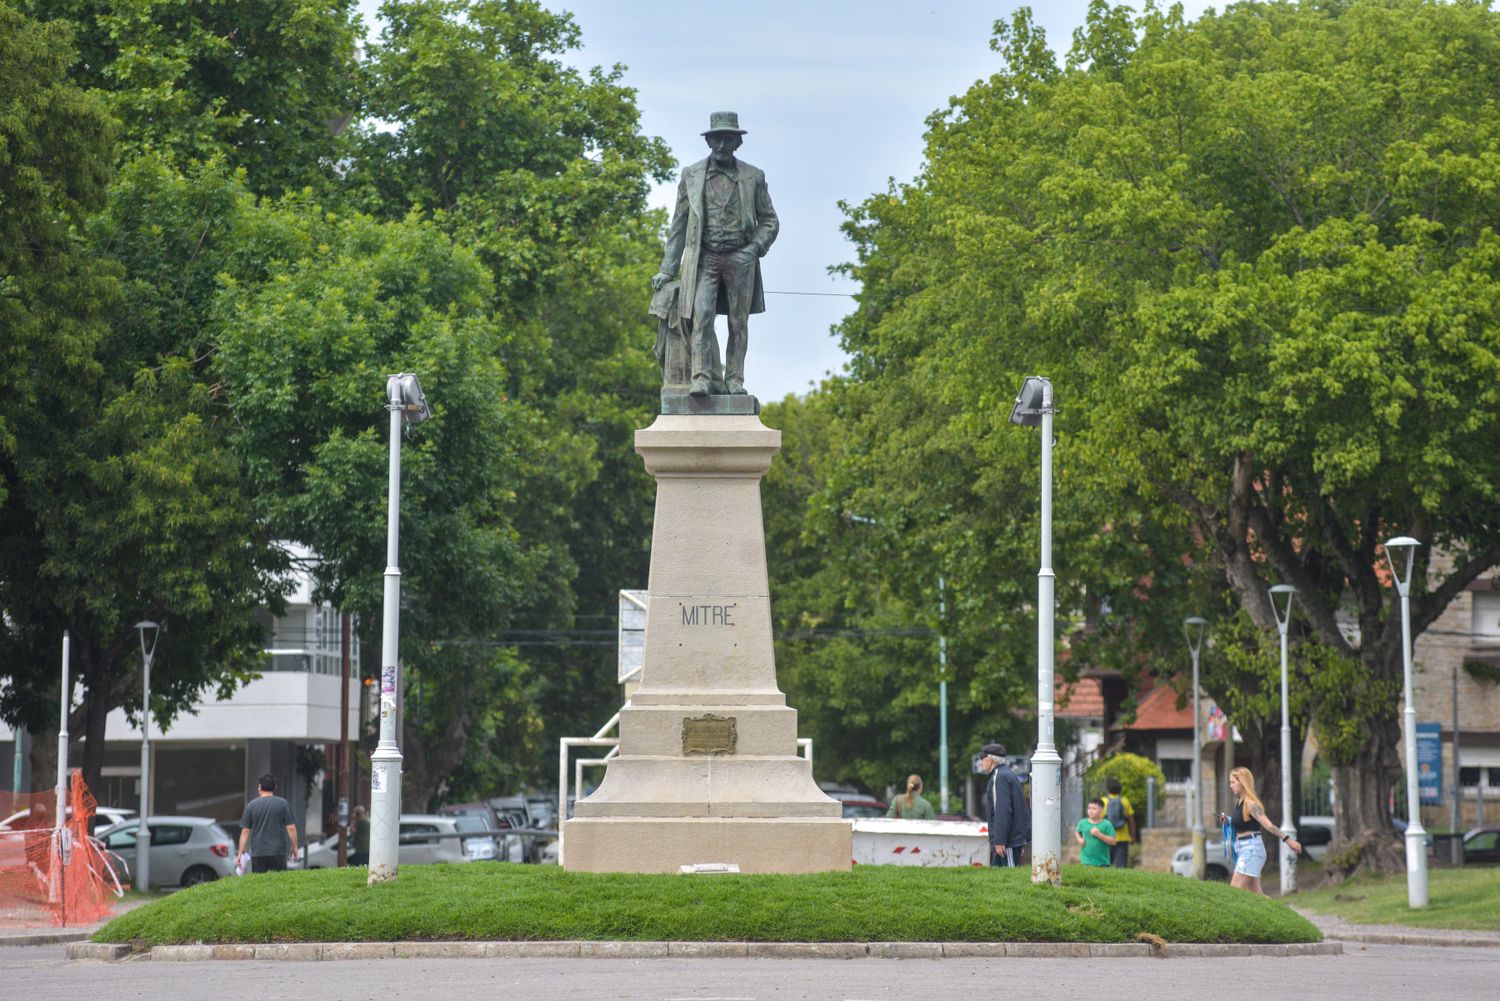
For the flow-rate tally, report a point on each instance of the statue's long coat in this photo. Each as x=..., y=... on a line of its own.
x=685, y=239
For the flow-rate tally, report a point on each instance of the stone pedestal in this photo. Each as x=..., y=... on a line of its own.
x=708, y=769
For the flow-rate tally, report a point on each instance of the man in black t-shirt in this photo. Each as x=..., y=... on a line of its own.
x=268, y=830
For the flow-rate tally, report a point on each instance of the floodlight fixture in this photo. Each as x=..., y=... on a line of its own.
x=404, y=393
x=1032, y=402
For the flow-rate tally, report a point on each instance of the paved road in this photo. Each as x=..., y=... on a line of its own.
x=1372, y=973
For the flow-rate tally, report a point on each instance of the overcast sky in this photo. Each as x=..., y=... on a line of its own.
x=833, y=94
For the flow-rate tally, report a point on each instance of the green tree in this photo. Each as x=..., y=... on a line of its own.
x=55, y=163
x=542, y=171
x=265, y=84
x=857, y=603
x=1256, y=254
x=126, y=501
x=302, y=356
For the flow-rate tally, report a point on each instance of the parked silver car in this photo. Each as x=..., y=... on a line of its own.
x=446, y=843
x=185, y=851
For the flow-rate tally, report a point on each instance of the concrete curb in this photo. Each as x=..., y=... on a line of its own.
x=46, y=937
x=1341, y=930
x=98, y=950
x=1393, y=938
x=314, y=951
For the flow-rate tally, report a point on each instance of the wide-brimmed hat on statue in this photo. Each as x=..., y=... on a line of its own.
x=724, y=121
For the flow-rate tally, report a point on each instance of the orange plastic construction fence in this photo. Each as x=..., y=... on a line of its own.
x=51, y=875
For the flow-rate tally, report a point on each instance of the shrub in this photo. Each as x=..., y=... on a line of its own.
x=1132, y=770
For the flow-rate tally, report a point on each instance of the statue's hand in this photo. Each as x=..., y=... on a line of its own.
x=658, y=280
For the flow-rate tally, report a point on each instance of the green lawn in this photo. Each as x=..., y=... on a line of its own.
x=495, y=901
x=1466, y=898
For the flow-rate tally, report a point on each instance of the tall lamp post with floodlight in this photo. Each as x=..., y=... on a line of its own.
x=1416, y=837
x=149, y=631
x=407, y=405
x=1192, y=630
x=1283, y=612
x=1034, y=409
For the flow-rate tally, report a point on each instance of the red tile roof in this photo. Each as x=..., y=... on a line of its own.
x=1083, y=699
x=1158, y=711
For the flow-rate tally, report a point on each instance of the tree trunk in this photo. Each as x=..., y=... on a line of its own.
x=1361, y=808
x=43, y=757
x=95, y=712
x=425, y=770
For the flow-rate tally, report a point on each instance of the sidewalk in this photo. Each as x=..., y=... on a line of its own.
x=1344, y=931
x=47, y=934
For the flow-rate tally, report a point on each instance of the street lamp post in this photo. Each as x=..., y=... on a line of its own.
x=148, y=632
x=1192, y=629
x=1034, y=408
x=406, y=404
x=1283, y=612
x=1416, y=837
x=942, y=694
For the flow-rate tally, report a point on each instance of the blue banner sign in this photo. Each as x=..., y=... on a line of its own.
x=1430, y=763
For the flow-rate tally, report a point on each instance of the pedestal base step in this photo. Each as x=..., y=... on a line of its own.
x=665, y=844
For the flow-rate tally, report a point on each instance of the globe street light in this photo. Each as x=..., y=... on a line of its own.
x=406, y=404
x=1192, y=630
x=148, y=631
x=1034, y=409
x=1416, y=837
x=1283, y=612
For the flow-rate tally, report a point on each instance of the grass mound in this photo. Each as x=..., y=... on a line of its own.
x=495, y=901
x=1467, y=899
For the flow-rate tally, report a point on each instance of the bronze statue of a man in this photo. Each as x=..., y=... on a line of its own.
x=722, y=226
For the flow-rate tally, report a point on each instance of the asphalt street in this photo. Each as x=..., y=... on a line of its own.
x=1368, y=973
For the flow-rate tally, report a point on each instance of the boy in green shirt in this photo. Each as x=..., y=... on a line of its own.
x=1095, y=836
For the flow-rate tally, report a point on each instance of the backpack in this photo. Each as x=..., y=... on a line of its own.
x=1114, y=812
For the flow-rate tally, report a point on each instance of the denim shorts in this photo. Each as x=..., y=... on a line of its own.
x=1250, y=856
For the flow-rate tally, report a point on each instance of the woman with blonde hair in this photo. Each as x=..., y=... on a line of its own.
x=911, y=806
x=1247, y=819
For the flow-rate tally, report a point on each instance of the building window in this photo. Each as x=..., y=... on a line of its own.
x=1177, y=769
x=1469, y=778
x=1486, y=624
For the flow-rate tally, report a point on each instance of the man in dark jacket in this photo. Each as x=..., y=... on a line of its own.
x=1005, y=809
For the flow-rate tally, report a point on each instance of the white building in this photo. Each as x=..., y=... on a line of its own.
x=209, y=760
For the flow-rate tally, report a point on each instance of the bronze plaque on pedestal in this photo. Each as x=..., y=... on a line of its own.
x=708, y=734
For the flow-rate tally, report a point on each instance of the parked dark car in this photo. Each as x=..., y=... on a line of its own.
x=1399, y=823
x=1482, y=846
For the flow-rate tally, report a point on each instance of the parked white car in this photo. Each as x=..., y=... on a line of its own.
x=104, y=816
x=1314, y=833
x=185, y=851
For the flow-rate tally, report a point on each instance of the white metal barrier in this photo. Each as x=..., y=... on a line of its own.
x=931, y=843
